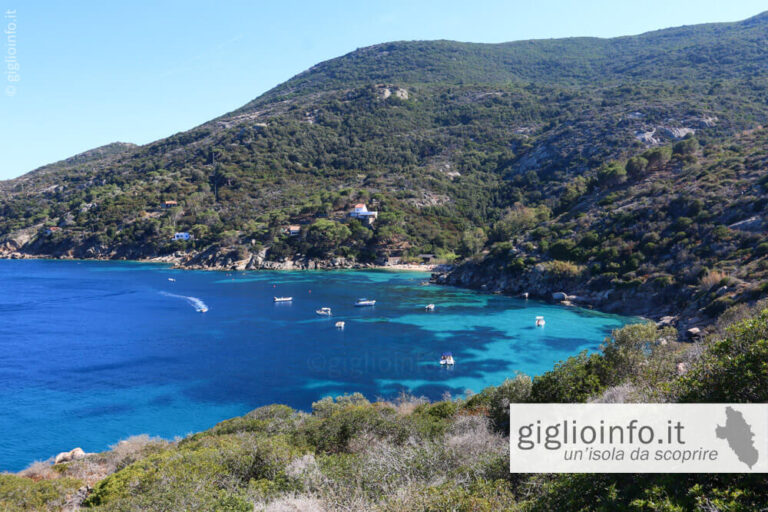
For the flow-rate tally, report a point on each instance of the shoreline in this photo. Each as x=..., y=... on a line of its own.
x=177, y=263
x=441, y=275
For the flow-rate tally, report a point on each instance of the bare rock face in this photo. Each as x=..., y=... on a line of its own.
x=754, y=223
x=667, y=321
x=69, y=456
x=677, y=133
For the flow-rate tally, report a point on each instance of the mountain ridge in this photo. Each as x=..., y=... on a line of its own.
x=465, y=149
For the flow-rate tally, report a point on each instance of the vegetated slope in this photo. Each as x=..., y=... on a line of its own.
x=412, y=455
x=676, y=229
x=448, y=141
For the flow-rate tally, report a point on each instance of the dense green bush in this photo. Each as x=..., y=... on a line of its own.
x=734, y=369
x=573, y=380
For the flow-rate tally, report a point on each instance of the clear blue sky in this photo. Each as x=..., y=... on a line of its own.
x=94, y=72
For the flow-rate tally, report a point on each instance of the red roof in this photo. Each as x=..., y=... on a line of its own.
x=360, y=205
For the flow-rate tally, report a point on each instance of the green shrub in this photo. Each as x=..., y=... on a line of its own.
x=20, y=494
x=733, y=369
x=515, y=390
x=573, y=380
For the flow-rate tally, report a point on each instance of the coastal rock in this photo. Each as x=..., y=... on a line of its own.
x=559, y=296
x=666, y=321
x=75, y=454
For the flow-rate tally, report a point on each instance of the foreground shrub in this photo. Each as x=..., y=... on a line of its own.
x=516, y=390
x=574, y=380
x=18, y=494
x=733, y=369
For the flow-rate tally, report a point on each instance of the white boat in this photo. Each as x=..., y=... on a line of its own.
x=339, y=325
x=540, y=321
x=364, y=302
x=203, y=310
x=447, y=359
x=171, y=279
x=324, y=311
x=429, y=307
x=283, y=299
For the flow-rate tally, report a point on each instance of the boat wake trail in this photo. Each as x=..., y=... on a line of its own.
x=196, y=303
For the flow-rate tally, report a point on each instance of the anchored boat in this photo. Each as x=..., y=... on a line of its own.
x=364, y=302
x=339, y=325
x=283, y=299
x=447, y=359
x=324, y=311
x=540, y=321
x=429, y=307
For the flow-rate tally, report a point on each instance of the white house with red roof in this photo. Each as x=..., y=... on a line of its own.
x=361, y=212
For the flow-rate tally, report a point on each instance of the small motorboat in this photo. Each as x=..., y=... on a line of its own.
x=323, y=311
x=540, y=321
x=364, y=302
x=203, y=310
x=339, y=325
x=429, y=307
x=171, y=279
x=447, y=359
x=283, y=299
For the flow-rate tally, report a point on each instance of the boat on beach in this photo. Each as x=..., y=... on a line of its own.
x=283, y=299
x=364, y=302
x=323, y=311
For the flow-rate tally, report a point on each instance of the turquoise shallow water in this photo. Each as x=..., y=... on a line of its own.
x=92, y=352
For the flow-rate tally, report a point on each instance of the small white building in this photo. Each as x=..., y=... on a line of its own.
x=362, y=213
x=292, y=230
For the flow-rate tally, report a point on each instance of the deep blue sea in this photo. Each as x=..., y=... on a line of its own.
x=94, y=352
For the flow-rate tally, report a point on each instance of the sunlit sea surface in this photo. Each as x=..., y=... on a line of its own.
x=93, y=352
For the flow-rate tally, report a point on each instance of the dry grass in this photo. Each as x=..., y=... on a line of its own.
x=405, y=403
x=296, y=503
x=621, y=394
x=40, y=470
x=133, y=448
x=712, y=279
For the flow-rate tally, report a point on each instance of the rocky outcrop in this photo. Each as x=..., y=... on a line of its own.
x=69, y=456
x=537, y=282
x=220, y=258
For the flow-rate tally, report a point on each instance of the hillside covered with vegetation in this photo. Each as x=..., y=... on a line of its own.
x=635, y=163
x=349, y=454
x=628, y=172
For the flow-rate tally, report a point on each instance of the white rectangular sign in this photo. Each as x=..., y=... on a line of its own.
x=638, y=438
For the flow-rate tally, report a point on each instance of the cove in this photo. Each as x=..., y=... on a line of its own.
x=94, y=352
